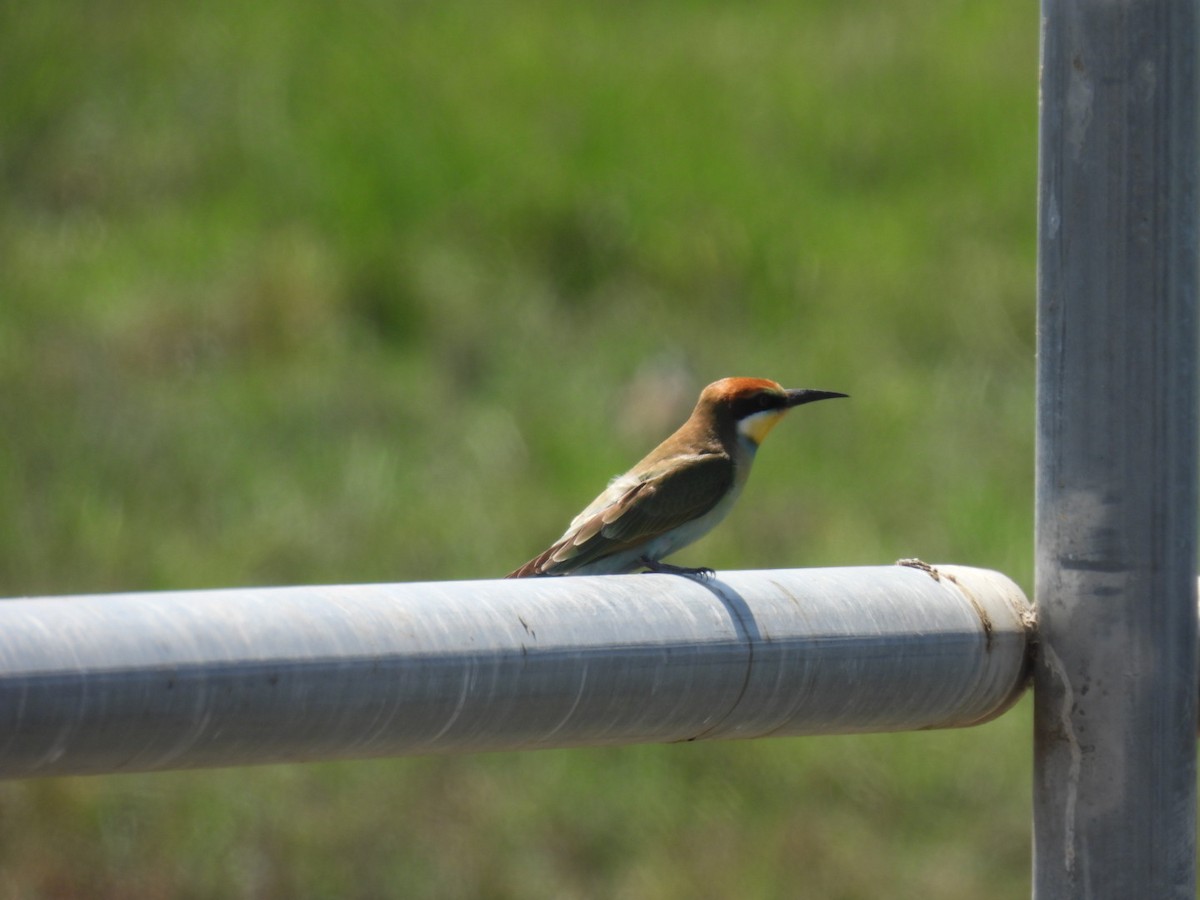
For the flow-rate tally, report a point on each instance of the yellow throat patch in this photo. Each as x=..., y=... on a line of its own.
x=759, y=425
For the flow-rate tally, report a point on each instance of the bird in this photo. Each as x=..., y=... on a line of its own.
x=679, y=491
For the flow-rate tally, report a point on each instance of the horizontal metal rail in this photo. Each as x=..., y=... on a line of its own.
x=136, y=682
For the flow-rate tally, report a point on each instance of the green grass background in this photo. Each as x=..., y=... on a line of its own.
x=300, y=292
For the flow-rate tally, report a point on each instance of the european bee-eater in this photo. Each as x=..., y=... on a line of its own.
x=677, y=493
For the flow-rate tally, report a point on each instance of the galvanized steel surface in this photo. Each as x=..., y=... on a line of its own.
x=1115, y=707
x=128, y=682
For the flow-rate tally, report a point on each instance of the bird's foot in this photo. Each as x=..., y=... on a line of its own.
x=662, y=568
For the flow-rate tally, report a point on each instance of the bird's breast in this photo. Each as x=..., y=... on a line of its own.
x=682, y=535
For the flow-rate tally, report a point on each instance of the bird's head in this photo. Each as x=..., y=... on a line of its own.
x=754, y=405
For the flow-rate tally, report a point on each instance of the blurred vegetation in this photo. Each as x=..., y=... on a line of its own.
x=304, y=292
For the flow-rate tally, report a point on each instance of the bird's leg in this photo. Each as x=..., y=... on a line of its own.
x=663, y=568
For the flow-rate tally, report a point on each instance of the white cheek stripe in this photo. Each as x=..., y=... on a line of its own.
x=757, y=426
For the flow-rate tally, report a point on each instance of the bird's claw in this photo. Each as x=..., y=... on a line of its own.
x=702, y=572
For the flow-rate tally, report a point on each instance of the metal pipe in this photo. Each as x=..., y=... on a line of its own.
x=1116, y=679
x=130, y=682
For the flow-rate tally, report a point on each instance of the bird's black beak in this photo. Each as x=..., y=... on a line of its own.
x=805, y=395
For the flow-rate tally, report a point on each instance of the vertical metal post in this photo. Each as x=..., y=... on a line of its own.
x=1115, y=682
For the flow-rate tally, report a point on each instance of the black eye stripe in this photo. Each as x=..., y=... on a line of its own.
x=756, y=403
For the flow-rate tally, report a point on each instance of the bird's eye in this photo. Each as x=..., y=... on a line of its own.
x=764, y=401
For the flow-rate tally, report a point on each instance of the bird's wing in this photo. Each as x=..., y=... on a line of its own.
x=633, y=512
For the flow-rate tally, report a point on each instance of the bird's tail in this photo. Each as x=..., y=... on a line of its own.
x=529, y=570
x=536, y=566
